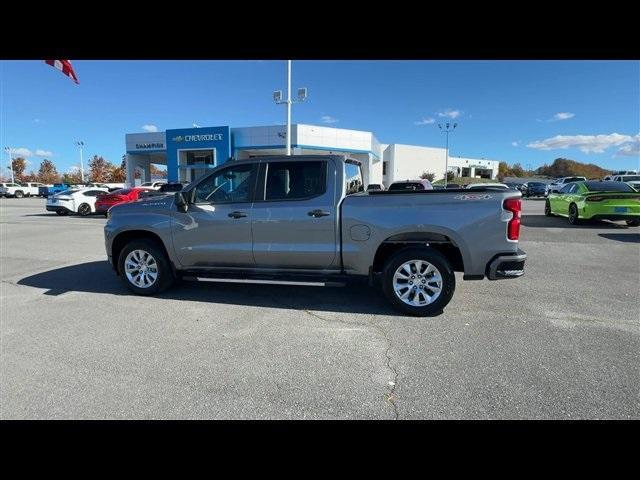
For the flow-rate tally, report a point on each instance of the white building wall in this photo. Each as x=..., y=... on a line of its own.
x=408, y=162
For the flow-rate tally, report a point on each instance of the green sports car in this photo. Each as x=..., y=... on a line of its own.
x=595, y=200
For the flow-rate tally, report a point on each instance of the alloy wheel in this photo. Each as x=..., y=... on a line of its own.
x=141, y=268
x=417, y=283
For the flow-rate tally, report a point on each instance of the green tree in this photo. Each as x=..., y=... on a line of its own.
x=517, y=170
x=19, y=165
x=428, y=176
x=72, y=177
x=47, y=172
x=100, y=169
x=450, y=176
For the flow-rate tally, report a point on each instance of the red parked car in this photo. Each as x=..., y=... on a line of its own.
x=105, y=202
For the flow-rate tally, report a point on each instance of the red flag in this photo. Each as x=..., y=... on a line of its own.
x=65, y=67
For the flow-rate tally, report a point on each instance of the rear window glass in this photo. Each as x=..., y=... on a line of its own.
x=573, y=179
x=608, y=187
x=631, y=178
x=537, y=184
x=406, y=186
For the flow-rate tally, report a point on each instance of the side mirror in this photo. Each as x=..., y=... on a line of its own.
x=181, y=202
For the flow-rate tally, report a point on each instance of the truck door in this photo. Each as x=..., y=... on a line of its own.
x=216, y=230
x=294, y=218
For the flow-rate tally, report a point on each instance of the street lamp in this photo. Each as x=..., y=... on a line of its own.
x=9, y=151
x=80, y=145
x=448, y=128
x=277, y=97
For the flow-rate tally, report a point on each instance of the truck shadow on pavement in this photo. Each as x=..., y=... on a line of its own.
x=98, y=277
x=622, y=237
x=562, y=222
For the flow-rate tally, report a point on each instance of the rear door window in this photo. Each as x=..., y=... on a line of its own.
x=295, y=180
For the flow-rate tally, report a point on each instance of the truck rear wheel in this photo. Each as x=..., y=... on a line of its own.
x=144, y=267
x=18, y=194
x=418, y=281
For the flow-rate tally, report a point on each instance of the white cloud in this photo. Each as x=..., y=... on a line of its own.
x=630, y=149
x=43, y=153
x=425, y=121
x=21, y=152
x=149, y=128
x=515, y=144
x=448, y=113
x=36, y=120
x=586, y=143
x=562, y=116
x=329, y=119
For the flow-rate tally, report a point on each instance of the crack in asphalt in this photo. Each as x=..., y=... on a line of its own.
x=390, y=396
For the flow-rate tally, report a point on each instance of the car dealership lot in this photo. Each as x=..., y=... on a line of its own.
x=561, y=342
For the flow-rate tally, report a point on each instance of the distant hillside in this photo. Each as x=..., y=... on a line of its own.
x=563, y=167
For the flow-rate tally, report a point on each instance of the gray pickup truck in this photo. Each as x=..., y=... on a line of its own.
x=307, y=220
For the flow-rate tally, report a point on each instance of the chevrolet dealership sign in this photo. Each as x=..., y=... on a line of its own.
x=212, y=137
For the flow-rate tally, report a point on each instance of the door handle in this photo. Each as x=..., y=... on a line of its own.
x=318, y=213
x=237, y=214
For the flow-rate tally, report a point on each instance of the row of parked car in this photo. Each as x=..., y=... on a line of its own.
x=98, y=198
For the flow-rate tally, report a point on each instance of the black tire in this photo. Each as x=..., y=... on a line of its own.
x=437, y=260
x=165, y=276
x=84, y=209
x=633, y=223
x=547, y=208
x=18, y=194
x=573, y=214
x=62, y=213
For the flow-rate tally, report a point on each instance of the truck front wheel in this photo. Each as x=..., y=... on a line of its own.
x=144, y=267
x=418, y=281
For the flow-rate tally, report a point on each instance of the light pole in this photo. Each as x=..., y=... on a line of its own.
x=277, y=97
x=80, y=145
x=8, y=150
x=448, y=128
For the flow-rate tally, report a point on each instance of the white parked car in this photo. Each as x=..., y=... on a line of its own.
x=75, y=200
x=558, y=183
x=20, y=190
x=152, y=185
x=633, y=180
x=500, y=186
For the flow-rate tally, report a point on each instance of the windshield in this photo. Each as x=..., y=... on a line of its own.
x=631, y=178
x=608, y=187
x=573, y=179
x=537, y=184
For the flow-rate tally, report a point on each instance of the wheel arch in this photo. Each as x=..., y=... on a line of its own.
x=440, y=242
x=123, y=238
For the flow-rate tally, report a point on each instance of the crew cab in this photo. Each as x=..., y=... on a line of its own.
x=19, y=190
x=306, y=220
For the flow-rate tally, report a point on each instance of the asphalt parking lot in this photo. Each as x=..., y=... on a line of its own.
x=563, y=342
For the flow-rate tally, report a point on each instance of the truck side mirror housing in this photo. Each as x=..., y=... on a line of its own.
x=181, y=202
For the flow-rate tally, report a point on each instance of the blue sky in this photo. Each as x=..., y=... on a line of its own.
x=517, y=111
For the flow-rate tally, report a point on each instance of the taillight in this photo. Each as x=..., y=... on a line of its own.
x=513, y=205
x=594, y=198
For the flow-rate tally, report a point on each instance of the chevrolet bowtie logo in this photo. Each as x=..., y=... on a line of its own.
x=179, y=138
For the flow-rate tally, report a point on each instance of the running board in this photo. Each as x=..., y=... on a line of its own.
x=267, y=282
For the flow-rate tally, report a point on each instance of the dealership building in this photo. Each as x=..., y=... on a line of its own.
x=190, y=152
